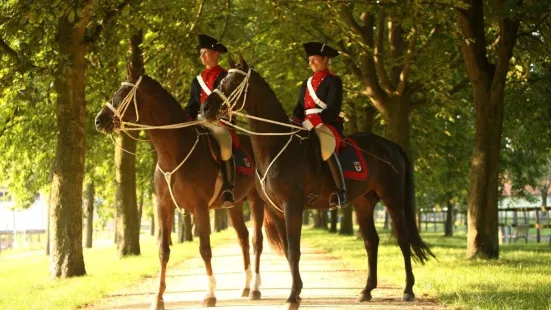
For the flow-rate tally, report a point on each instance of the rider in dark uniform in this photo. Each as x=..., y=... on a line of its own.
x=201, y=87
x=319, y=107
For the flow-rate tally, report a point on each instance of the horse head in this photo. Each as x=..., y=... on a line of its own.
x=123, y=107
x=230, y=94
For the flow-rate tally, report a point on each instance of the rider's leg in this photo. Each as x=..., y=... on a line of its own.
x=224, y=139
x=328, y=143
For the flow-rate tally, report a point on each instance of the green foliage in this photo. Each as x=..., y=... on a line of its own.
x=519, y=280
x=26, y=284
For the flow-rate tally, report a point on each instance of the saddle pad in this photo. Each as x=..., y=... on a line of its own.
x=243, y=160
x=352, y=161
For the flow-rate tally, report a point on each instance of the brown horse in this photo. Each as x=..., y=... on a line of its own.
x=295, y=177
x=192, y=185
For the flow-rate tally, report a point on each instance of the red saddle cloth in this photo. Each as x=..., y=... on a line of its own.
x=244, y=163
x=352, y=160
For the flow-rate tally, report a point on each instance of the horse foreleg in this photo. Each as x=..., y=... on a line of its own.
x=202, y=216
x=166, y=215
x=396, y=210
x=257, y=214
x=293, y=224
x=364, y=211
x=238, y=223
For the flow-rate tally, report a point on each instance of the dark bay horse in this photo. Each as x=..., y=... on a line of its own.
x=295, y=174
x=192, y=184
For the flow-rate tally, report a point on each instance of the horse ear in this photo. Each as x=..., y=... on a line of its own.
x=129, y=72
x=243, y=64
x=231, y=61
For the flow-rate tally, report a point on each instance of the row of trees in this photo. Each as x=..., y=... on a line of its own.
x=461, y=85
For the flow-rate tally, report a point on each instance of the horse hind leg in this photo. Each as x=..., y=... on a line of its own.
x=396, y=209
x=238, y=223
x=365, y=207
x=165, y=222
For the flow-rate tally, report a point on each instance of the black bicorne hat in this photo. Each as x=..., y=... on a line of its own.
x=206, y=41
x=321, y=49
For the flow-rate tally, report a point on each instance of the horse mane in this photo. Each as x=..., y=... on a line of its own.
x=271, y=91
x=165, y=98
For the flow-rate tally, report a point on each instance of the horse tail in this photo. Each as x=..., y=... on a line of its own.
x=421, y=251
x=272, y=234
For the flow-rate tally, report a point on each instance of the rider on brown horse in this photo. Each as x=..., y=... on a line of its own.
x=201, y=87
x=319, y=106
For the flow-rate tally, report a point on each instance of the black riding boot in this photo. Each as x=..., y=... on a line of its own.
x=228, y=176
x=337, y=199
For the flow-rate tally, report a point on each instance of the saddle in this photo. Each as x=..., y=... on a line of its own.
x=244, y=163
x=353, y=164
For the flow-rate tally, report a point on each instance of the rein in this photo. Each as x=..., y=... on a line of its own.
x=124, y=127
x=231, y=102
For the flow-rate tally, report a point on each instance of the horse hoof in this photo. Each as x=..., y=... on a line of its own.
x=209, y=302
x=255, y=295
x=246, y=292
x=408, y=297
x=292, y=305
x=364, y=297
x=158, y=305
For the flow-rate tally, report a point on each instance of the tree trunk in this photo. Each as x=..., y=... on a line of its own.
x=482, y=237
x=181, y=229
x=152, y=227
x=347, y=224
x=352, y=123
x=66, y=259
x=127, y=227
x=397, y=127
x=47, y=248
x=449, y=219
x=488, y=82
x=317, y=219
x=369, y=117
x=386, y=225
x=90, y=193
x=334, y=220
x=306, y=217
x=140, y=209
x=188, y=234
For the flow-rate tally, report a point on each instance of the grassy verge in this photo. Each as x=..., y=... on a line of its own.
x=25, y=282
x=520, y=279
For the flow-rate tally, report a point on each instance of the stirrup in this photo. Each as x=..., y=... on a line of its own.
x=339, y=205
x=228, y=203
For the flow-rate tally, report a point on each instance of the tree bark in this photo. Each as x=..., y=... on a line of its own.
x=334, y=219
x=369, y=117
x=90, y=193
x=387, y=220
x=448, y=230
x=188, y=225
x=352, y=123
x=306, y=217
x=219, y=218
x=488, y=82
x=181, y=229
x=347, y=222
x=152, y=225
x=127, y=227
x=397, y=127
x=66, y=259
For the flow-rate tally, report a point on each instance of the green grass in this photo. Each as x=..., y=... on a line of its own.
x=25, y=281
x=520, y=279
